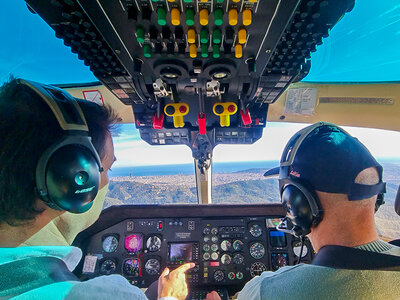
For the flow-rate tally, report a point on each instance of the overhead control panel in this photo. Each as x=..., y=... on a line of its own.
x=227, y=250
x=196, y=72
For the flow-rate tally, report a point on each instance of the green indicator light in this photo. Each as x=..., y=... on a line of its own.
x=140, y=34
x=220, y=1
x=147, y=51
x=204, y=36
x=216, y=51
x=204, y=50
x=217, y=36
x=187, y=1
x=190, y=17
x=218, y=16
x=161, y=16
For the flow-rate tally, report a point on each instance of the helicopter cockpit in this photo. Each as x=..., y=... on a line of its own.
x=202, y=74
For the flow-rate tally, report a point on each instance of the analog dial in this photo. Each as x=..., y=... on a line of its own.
x=108, y=267
x=219, y=275
x=110, y=244
x=152, y=266
x=297, y=248
x=226, y=259
x=238, y=259
x=237, y=245
x=257, y=250
x=226, y=245
x=255, y=230
x=131, y=267
x=153, y=243
x=257, y=268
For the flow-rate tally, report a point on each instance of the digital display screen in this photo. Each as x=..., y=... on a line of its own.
x=272, y=223
x=134, y=243
x=277, y=239
x=180, y=252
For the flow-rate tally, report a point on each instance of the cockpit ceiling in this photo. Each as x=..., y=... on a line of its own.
x=360, y=105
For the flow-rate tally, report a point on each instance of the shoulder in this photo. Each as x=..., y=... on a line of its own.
x=105, y=287
x=253, y=289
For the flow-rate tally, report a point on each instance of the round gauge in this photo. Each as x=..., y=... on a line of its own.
x=237, y=245
x=214, y=230
x=153, y=243
x=214, y=239
x=257, y=268
x=226, y=259
x=239, y=275
x=206, y=256
x=255, y=230
x=257, y=250
x=206, y=230
x=206, y=239
x=219, y=275
x=152, y=266
x=206, y=247
x=226, y=245
x=231, y=275
x=297, y=248
x=238, y=259
x=110, y=244
x=131, y=267
x=278, y=260
x=108, y=267
x=214, y=247
x=214, y=256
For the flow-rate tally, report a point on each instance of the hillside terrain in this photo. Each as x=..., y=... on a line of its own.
x=248, y=186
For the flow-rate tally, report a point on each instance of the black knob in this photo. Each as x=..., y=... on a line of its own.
x=219, y=109
x=170, y=110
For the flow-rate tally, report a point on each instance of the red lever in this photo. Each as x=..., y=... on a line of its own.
x=201, y=119
x=246, y=118
x=157, y=123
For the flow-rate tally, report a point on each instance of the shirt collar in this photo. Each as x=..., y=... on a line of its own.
x=378, y=246
x=70, y=255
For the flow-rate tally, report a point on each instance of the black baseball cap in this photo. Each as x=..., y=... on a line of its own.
x=328, y=159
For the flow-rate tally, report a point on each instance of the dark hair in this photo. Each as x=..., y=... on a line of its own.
x=27, y=128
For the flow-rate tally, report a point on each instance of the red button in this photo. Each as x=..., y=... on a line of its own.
x=214, y=264
x=231, y=108
x=182, y=109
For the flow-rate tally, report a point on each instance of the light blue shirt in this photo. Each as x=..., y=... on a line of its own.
x=103, y=287
x=318, y=282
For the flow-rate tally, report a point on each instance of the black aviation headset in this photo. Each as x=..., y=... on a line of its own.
x=300, y=198
x=68, y=172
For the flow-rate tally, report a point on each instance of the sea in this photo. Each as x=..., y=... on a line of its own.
x=188, y=169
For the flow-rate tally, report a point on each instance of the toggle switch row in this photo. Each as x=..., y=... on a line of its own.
x=233, y=16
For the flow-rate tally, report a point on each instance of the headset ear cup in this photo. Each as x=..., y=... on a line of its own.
x=72, y=178
x=298, y=207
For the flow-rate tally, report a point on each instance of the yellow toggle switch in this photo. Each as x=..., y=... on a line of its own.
x=191, y=36
x=242, y=36
x=224, y=110
x=247, y=16
x=253, y=1
x=238, y=51
x=236, y=0
x=177, y=111
x=175, y=16
x=204, y=17
x=233, y=16
x=193, y=51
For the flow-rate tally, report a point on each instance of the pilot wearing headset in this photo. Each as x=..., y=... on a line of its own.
x=55, y=152
x=331, y=186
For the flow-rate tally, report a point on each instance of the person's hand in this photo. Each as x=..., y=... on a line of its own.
x=213, y=296
x=173, y=284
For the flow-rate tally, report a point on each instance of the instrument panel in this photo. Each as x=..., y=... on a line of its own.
x=228, y=250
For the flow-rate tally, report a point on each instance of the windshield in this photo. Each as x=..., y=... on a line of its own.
x=145, y=174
